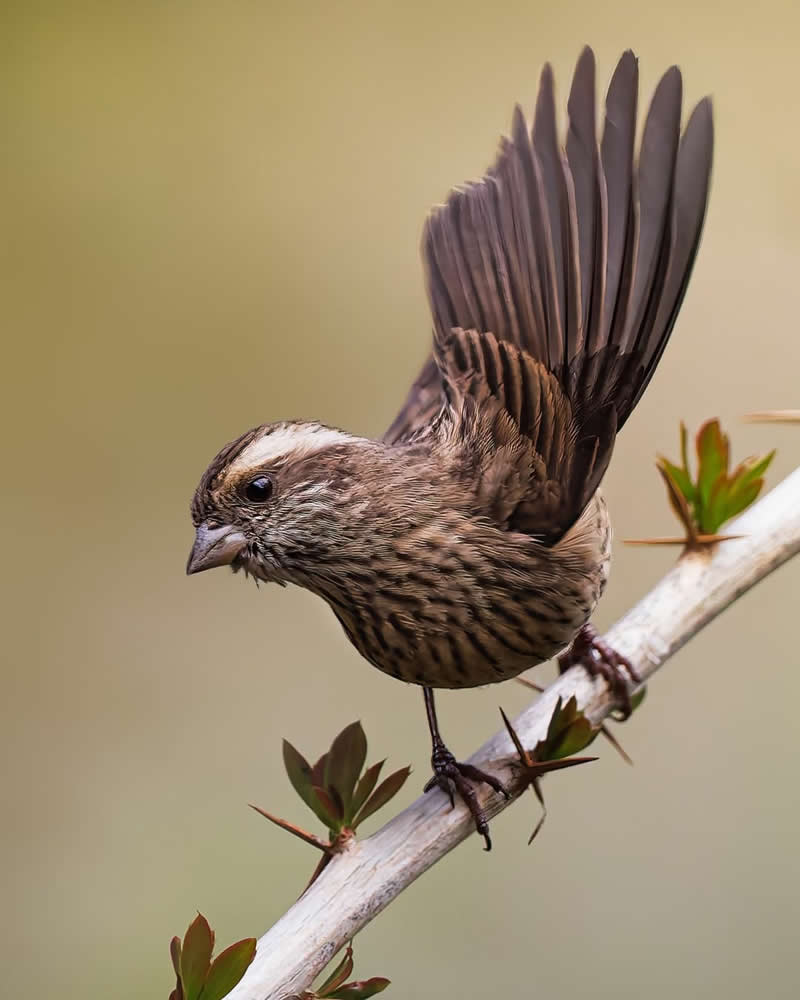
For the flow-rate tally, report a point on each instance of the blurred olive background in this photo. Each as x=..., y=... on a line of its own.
x=210, y=219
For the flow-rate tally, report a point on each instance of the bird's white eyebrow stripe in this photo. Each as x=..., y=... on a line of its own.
x=294, y=439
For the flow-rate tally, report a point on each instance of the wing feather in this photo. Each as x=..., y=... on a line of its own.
x=566, y=267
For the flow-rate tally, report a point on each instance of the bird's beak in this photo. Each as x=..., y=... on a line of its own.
x=214, y=547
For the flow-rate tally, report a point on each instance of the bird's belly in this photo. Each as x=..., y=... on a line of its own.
x=491, y=606
x=486, y=649
x=469, y=645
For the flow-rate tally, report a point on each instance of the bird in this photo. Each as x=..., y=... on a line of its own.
x=472, y=540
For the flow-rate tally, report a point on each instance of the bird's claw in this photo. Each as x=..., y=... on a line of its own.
x=599, y=659
x=452, y=776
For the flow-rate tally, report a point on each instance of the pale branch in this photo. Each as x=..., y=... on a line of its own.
x=359, y=883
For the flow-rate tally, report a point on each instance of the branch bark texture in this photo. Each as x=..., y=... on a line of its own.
x=358, y=884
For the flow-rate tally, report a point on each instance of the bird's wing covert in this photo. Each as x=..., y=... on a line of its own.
x=535, y=469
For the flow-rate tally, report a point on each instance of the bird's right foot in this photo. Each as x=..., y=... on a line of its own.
x=452, y=776
x=598, y=658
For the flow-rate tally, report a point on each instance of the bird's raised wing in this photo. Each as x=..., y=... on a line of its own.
x=577, y=256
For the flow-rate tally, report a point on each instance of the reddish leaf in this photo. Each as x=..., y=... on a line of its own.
x=712, y=457
x=560, y=717
x=302, y=777
x=336, y=799
x=678, y=502
x=568, y=731
x=604, y=730
x=385, y=791
x=685, y=448
x=360, y=990
x=736, y=502
x=327, y=809
x=578, y=735
x=228, y=968
x=753, y=468
x=680, y=477
x=364, y=787
x=318, y=771
x=339, y=974
x=713, y=514
x=345, y=759
x=175, y=954
x=299, y=771
x=198, y=943
x=743, y=476
x=716, y=496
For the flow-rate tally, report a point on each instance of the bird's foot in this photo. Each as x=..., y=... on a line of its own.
x=599, y=659
x=452, y=776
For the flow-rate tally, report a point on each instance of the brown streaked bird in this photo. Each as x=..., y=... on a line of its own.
x=472, y=541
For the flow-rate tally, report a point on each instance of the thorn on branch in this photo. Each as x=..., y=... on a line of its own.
x=774, y=417
x=569, y=729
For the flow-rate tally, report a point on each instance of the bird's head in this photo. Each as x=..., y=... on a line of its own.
x=268, y=502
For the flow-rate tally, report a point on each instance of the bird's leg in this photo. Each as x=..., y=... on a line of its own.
x=595, y=655
x=451, y=776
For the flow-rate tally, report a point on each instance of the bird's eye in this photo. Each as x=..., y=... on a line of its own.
x=259, y=489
